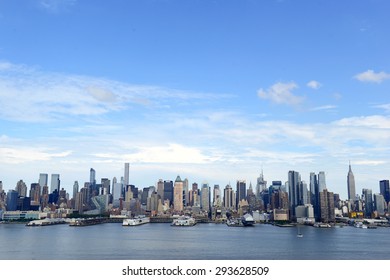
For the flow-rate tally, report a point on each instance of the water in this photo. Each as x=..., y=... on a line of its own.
x=203, y=241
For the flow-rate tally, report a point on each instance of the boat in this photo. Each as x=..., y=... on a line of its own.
x=45, y=222
x=244, y=221
x=184, y=221
x=136, y=221
x=360, y=225
x=234, y=223
x=247, y=220
x=322, y=225
x=300, y=235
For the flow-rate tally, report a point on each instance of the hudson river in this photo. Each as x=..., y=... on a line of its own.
x=203, y=241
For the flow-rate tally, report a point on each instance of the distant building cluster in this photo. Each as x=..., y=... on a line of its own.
x=293, y=200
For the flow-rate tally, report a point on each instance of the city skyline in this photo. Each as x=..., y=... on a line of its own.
x=213, y=91
x=242, y=185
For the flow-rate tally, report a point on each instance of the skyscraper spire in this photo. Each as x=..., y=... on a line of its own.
x=351, y=184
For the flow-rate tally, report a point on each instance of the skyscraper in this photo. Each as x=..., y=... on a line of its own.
x=127, y=172
x=240, y=191
x=385, y=190
x=43, y=179
x=295, y=197
x=21, y=188
x=205, y=197
x=160, y=189
x=92, y=177
x=55, y=183
x=368, y=202
x=228, y=197
x=321, y=181
x=351, y=184
x=178, y=194
x=261, y=184
x=168, y=191
x=217, y=196
x=327, y=206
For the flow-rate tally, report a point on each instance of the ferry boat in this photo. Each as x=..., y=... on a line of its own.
x=136, y=221
x=322, y=225
x=244, y=221
x=247, y=220
x=360, y=225
x=184, y=221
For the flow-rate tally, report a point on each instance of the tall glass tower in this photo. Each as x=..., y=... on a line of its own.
x=351, y=184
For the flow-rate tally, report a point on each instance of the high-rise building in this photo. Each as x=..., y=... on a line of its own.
x=92, y=177
x=379, y=204
x=43, y=180
x=368, y=203
x=295, y=197
x=321, y=181
x=327, y=206
x=205, y=197
x=186, y=197
x=75, y=190
x=127, y=173
x=12, y=200
x=160, y=189
x=178, y=194
x=168, y=191
x=228, y=197
x=351, y=184
x=240, y=191
x=217, y=201
x=261, y=184
x=55, y=183
x=384, y=190
x=21, y=188
x=35, y=191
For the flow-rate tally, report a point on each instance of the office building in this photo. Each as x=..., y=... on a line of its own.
x=168, y=191
x=327, y=211
x=379, y=204
x=178, y=195
x=368, y=202
x=55, y=183
x=240, y=191
x=351, y=184
x=12, y=200
x=295, y=196
x=43, y=180
x=21, y=188
x=127, y=173
x=384, y=190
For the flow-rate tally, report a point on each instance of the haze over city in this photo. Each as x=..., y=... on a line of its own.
x=211, y=91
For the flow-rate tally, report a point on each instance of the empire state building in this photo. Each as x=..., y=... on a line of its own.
x=351, y=184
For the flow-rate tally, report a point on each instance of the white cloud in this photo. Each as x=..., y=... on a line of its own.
x=16, y=155
x=372, y=77
x=375, y=121
x=369, y=162
x=281, y=93
x=385, y=107
x=313, y=84
x=55, y=6
x=30, y=95
x=325, y=107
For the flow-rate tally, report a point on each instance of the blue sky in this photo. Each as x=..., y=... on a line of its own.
x=210, y=90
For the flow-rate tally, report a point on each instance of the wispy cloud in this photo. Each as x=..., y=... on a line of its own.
x=385, y=107
x=314, y=84
x=324, y=108
x=372, y=77
x=281, y=93
x=28, y=94
x=56, y=6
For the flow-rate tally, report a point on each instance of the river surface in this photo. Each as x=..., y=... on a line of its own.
x=202, y=242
